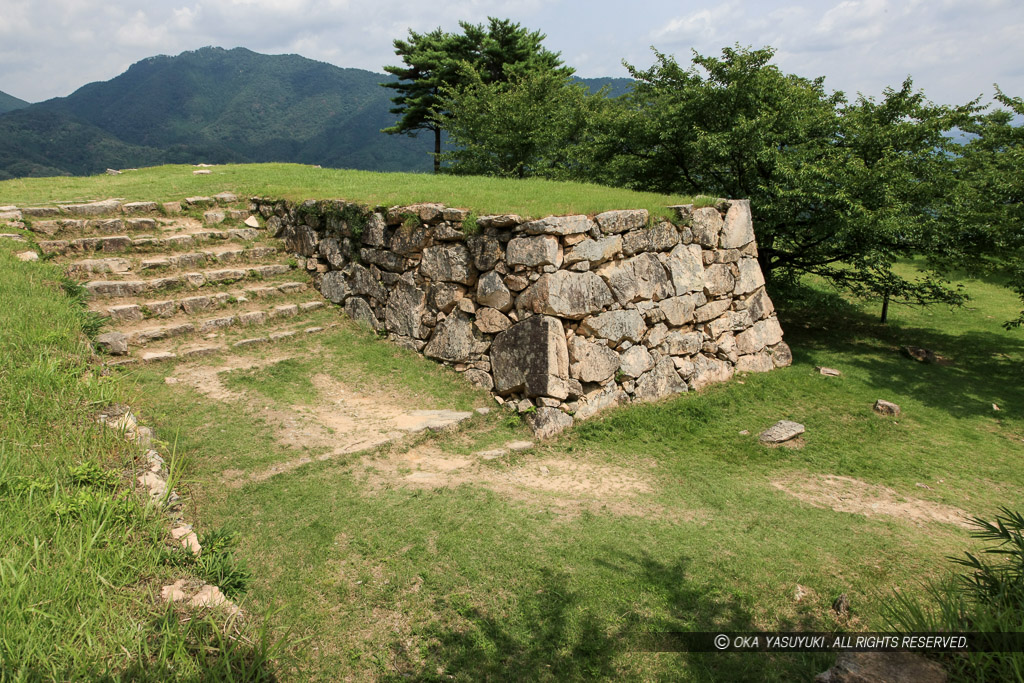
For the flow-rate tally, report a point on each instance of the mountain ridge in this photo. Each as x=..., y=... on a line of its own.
x=11, y=103
x=218, y=105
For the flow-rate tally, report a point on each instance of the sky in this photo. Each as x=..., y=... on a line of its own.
x=955, y=50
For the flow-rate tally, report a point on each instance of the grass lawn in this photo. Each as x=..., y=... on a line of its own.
x=529, y=198
x=687, y=524
x=82, y=557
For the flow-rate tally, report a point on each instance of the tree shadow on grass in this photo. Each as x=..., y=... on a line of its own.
x=984, y=367
x=558, y=633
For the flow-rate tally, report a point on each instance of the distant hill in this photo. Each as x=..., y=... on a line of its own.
x=39, y=143
x=10, y=103
x=616, y=86
x=218, y=106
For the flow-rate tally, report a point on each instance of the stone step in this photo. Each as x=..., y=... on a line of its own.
x=72, y=228
x=193, y=350
x=116, y=207
x=207, y=325
x=113, y=244
x=111, y=289
x=171, y=262
x=190, y=305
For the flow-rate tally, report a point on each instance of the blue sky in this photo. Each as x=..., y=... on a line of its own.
x=954, y=49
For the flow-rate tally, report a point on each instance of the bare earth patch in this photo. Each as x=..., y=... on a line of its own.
x=570, y=486
x=337, y=417
x=846, y=494
x=337, y=420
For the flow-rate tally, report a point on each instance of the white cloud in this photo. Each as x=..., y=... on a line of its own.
x=955, y=49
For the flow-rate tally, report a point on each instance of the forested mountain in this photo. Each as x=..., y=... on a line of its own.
x=217, y=106
x=10, y=103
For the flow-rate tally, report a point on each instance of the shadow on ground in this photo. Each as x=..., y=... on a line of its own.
x=985, y=367
x=552, y=634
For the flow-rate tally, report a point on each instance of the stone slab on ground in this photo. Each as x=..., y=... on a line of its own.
x=781, y=431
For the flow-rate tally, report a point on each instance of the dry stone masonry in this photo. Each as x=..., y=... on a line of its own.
x=562, y=316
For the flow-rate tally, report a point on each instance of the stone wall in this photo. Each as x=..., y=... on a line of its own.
x=564, y=316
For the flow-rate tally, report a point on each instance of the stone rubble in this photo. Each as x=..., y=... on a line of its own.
x=153, y=480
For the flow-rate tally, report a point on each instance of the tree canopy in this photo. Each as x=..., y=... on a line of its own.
x=840, y=189
x=526, y=126
x=491, y=53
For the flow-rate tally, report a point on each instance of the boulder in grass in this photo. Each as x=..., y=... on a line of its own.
x=547, y=422
x=887, y=408
x=114, y=343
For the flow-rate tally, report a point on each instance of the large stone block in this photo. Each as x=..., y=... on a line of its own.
x=616, y=326
x=302, y=240
x=685, y=264
x=589, y=362
x=659, y=383
x=707, y=226
x=408, y=241
x=448, y=263
x=453, y=339
x=491, y=321
x=595, y=251
x=635, y=361
x=719, y=280
x=548, y=422
x=486, y=251
x=738, y=229
x=533, y=252
x=679, y=343
x=531, y=357
x=360, y=311
x=559, y=225
x=621, y=221
x=761, y=334
x=405, y=308
x=375, y=231
x=566, y=294
x=750, y=277
x=641, y=278
x=679, y=310
x=364, y=283
x=491, y=291
x=709, y=371
x=758, y=305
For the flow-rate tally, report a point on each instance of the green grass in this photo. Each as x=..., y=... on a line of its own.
x=81, y=556
x=529, y=198
x=389, y=582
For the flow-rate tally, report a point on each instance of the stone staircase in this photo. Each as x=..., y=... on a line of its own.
x=178, y=280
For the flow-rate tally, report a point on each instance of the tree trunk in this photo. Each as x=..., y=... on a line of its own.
x=437, y=150
x=885, y=307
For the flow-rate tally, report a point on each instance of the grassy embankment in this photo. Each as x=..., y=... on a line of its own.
x=689, y=528
x=82, y=557
x=531, y=197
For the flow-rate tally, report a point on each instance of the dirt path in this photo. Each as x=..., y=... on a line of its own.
x=337, y=417
x=846, y=494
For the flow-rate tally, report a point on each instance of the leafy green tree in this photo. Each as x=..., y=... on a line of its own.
x=839, y=189
x=494, y=52
x=530, y=125
x=988, y=213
